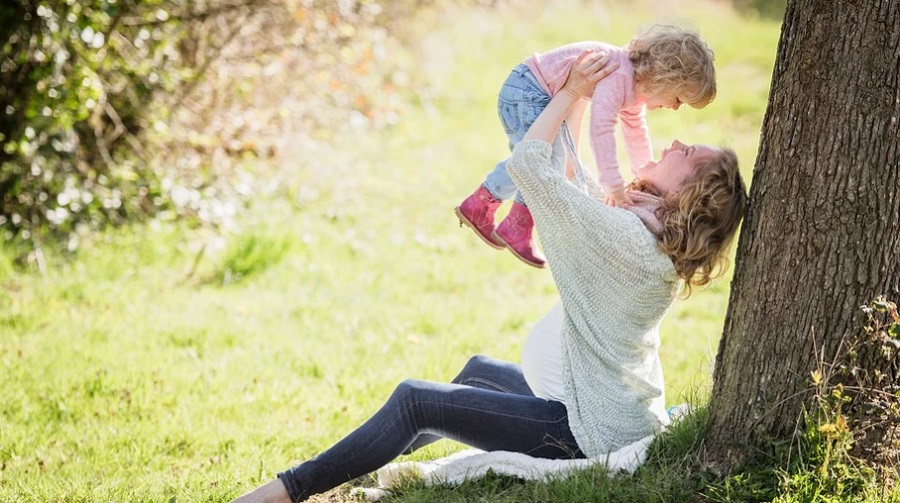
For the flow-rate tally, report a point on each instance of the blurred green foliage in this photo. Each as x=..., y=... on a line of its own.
x=75, y=84
x=115, y=110
x=773, y=9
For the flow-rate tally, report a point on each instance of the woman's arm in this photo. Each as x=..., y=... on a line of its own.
x=567, y=218
x=588, y=69
x=574, y=120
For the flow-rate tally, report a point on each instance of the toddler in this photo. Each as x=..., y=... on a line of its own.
x=663, y=67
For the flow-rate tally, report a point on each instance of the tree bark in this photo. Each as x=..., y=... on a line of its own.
x=822, y=234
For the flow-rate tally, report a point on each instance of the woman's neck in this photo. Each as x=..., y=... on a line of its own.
x=646, y=187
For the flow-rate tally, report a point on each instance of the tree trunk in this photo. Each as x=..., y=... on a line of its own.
x=822, y=234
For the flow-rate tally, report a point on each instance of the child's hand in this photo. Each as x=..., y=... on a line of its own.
x=618, y=199
x=589, y=68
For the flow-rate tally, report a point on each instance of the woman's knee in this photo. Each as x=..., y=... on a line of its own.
x=473, y=368
x=407, y=390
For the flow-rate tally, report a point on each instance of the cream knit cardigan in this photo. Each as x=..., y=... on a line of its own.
x=615, y=286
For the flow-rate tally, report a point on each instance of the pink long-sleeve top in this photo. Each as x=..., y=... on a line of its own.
x=614, y=98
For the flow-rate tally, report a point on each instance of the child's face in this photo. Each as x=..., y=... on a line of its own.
x=676, y=165
x=663, y=100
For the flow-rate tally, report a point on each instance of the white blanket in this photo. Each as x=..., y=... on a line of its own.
x=474, y=464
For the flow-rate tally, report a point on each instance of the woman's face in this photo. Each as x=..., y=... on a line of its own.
x=676, y=165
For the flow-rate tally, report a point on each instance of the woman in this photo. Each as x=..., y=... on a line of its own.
x=592, y=380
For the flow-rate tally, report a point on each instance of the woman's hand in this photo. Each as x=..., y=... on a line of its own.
x=589, y=68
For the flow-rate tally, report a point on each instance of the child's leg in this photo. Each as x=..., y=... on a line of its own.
x=498, y=181
x=520, y=97
x=520, y=101
x=516, y=230
x=485, y=419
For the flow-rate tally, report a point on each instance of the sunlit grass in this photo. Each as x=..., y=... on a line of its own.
x=134, y=373
x=250, y=254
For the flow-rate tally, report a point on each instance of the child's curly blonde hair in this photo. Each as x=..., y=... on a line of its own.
x=700, y=219
x=672, y=61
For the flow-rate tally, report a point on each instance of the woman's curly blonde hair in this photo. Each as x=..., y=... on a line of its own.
x=701, y=218
x=671, y=61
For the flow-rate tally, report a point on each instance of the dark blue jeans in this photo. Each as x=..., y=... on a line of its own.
x=489, y=406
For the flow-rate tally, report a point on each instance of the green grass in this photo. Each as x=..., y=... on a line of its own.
x=168, y=364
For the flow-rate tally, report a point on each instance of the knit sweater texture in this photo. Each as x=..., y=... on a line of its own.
x=615, y=286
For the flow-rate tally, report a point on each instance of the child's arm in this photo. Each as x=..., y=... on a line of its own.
x=637, y=136
x=566, y=216
x=606, y=103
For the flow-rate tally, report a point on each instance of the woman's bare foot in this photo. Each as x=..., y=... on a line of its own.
x=271, y=492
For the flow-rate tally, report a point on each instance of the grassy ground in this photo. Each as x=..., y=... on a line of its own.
x=126, y=375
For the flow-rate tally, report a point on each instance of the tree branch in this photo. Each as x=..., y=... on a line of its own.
x=193, y=16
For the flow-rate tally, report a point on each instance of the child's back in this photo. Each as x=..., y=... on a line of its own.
x=615, y=97
x=552, y=67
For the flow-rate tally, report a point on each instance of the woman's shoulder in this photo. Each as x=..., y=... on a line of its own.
x=640, y=243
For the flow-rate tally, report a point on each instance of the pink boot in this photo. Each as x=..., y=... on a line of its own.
x=515, y=233
x=477, y=211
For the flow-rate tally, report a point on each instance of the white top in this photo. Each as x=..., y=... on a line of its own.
x=542, y=357
x=615, y=285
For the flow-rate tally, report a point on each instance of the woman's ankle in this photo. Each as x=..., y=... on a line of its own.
x=270, y=492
